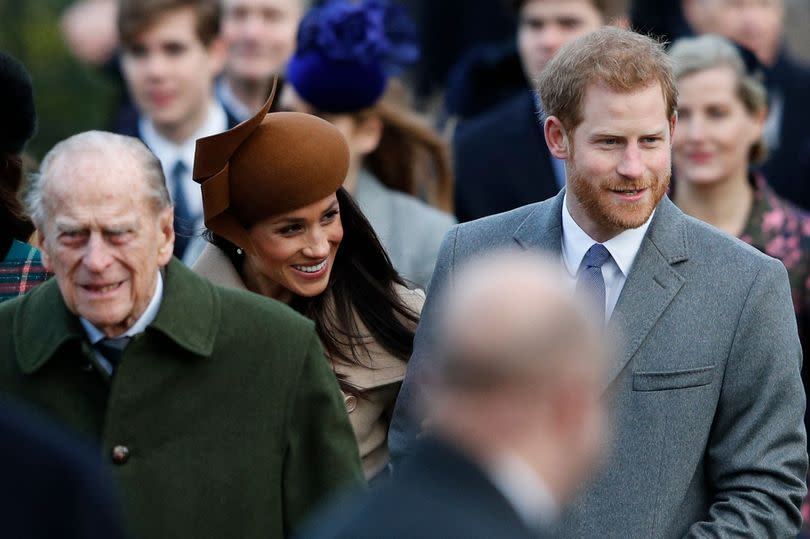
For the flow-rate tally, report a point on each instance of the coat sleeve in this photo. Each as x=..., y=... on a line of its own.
x=757, y=448
x=407, y=417
x=322, y=455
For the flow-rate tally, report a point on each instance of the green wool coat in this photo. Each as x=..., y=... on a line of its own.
x=222, y=420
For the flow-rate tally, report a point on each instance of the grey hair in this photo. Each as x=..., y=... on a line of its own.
x=100, y=142
x=693, y=54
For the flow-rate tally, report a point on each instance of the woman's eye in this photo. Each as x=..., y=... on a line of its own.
x=289, y=229
x=330, y=215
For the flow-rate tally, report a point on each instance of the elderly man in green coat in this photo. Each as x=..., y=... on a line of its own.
x=215, y=408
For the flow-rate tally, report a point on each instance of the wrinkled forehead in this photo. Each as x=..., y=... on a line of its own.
x=82, y=176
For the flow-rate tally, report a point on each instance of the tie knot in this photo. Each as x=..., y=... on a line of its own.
x=596, y=256
x=178, y=169
x=113, y=348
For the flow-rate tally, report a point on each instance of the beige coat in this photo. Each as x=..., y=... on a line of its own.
x=380, y=380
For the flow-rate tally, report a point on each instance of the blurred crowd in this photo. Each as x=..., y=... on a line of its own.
x=410, y=268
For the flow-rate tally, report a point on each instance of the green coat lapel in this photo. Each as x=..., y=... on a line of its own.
x=184, y=299
x=37, y=340
x=178, y=318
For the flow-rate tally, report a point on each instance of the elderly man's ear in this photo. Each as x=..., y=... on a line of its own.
x=166, y=236
x=556, y=138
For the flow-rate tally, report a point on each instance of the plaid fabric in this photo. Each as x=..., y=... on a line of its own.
x=20, y=271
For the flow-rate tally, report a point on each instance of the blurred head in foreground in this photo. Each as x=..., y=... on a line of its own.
x=520, y=371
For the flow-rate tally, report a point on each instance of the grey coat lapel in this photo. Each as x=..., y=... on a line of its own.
x=652, y=284
x=542, y=229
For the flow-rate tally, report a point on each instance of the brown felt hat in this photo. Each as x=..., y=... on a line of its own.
x=267, y=165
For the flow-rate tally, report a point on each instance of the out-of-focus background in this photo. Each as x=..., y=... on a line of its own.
x=73, y=97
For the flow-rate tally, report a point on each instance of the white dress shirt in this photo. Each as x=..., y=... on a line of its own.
x=525, y=491
x=622, y=248
x=231, y=102
x=169, y=153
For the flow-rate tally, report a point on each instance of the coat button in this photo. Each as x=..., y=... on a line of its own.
x=120, y=454
x=351, y=403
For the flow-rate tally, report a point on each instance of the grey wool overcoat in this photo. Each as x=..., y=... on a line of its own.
x=708, y=404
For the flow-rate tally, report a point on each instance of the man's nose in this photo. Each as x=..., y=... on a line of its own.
x=97, y=256
x=551, y=38
x=631, y=165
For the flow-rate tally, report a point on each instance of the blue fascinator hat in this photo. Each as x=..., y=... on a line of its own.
x=347, y=50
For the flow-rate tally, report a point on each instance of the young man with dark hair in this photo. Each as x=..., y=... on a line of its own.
x=260, y=38
x=171, y=55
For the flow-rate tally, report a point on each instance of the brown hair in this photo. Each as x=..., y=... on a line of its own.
x=14, y=223
x=411, y=157
x=695, y=54
x=622, y=60
x=136, y=16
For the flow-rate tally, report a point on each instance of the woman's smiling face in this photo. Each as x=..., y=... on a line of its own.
x=296, y=250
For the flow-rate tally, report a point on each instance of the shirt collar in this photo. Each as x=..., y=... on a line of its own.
x=623, y=248
x=140, y=324
x=525, y=491
x=231, y=102
x=169, y=152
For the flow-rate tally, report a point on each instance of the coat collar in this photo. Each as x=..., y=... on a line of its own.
x=542, y=228
x=189, y=315
x=654, y=279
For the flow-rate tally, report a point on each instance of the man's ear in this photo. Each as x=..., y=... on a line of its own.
x=165, y=244
x=556, y=138
x=43, y=250
x=673, y=121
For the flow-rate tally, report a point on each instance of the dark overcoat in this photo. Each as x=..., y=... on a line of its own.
x=222, y=420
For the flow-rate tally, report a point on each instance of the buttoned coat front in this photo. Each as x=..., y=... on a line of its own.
x=706, y=392
x=231, y=418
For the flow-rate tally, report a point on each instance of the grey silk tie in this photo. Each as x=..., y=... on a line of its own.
x=590, y=280
x=111, y=350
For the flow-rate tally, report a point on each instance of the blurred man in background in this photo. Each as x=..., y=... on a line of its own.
x=171, y=54
x=501, y=159
x=260, y=38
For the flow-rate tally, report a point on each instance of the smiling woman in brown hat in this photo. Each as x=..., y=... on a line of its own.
x=282, y=226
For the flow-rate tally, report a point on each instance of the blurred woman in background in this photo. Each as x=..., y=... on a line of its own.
x=717, y=142
x=718, y=138
x=20, y=264
x=283, y=227
x=341, y=71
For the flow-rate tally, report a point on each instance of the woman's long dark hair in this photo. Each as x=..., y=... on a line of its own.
x=361, y=285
